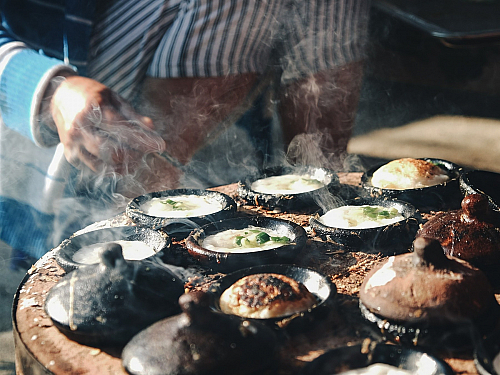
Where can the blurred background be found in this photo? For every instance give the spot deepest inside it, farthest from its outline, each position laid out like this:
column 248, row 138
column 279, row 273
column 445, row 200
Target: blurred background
column 432, row 83
column 431, row 89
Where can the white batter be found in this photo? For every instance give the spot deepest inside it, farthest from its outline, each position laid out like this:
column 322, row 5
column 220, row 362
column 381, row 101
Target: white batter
column 408, row 173
column 287, row 184
column 424, row 366
column 244, row 240
column 361, row 217
column 181, row 206
column 132, row 250
column 378, row 369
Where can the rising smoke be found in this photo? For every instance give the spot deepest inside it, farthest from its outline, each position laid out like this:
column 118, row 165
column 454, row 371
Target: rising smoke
column 128, row 159
column 228, row 154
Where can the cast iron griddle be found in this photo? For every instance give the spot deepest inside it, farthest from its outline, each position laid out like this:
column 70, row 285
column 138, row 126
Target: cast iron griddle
column 455, row 22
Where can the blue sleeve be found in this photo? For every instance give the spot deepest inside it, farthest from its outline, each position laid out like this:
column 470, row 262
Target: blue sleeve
column 24, row 77
column 23, row 82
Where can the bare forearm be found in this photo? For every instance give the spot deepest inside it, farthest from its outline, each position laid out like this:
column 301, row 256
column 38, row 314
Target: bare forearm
column 187, row 111
column 322, row 107
column 99, row 129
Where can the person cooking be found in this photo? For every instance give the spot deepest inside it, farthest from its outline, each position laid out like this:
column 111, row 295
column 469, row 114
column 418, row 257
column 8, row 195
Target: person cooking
column 102, row 101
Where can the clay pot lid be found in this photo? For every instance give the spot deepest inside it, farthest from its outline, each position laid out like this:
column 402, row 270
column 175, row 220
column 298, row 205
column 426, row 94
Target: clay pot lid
column 471, row 233
column 426, row 286
column 200, row 341
column 109, row 302
column 482, row 182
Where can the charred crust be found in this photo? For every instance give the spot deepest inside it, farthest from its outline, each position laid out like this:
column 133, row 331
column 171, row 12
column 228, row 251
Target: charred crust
column 263, row 289
column 424, row 168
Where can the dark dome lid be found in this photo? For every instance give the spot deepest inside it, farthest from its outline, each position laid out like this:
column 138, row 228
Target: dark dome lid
column 200, row 341
column 471, row 233
column 426, row 286
column 110, row 301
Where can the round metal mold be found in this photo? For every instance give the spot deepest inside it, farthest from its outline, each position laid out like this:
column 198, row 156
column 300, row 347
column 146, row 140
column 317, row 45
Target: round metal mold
column 228, row 261
column 109, row 302
column 360, row 356
column 482, row 182
column 288, row 202
column 388, row 239
column 159, row 242
column 486, row 354
column 438, row 197
column 179, row 227
column 318, row 284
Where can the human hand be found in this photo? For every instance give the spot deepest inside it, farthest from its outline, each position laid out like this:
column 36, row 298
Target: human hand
column 99, row 129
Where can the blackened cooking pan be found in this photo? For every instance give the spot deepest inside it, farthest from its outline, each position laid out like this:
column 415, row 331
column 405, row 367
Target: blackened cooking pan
column 454, row 22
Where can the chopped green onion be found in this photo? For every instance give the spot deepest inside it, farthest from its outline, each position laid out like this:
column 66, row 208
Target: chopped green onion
column 282, row 239
column 169, row 201
column 384, row 213
column 380, row 213
column 238, row 239
column 371, row 212
column 257, row 237
column 311, row 180
column 175, row 205
column 262, row 237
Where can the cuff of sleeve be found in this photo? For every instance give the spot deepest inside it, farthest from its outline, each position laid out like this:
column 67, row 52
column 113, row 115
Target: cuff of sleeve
column 23, row 82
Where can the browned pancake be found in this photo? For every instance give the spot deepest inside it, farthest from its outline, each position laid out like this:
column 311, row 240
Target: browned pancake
column 266, row 295
column 409, row 166
column 408, row 173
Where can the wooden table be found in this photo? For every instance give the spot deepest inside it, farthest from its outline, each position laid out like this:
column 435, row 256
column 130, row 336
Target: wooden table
column 42, row 348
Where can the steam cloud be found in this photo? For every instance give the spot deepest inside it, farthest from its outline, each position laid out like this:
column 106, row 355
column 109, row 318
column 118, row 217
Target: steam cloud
column 229, row 154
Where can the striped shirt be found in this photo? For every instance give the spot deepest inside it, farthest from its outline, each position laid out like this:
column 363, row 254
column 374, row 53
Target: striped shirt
column 207, row 38
column 131, row 39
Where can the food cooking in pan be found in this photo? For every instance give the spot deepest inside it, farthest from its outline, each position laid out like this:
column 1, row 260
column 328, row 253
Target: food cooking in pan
column 361, row 217
column 245, row 240
column 181, row 206
column 266, row 296
column 286, row 184
column 408, row 173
